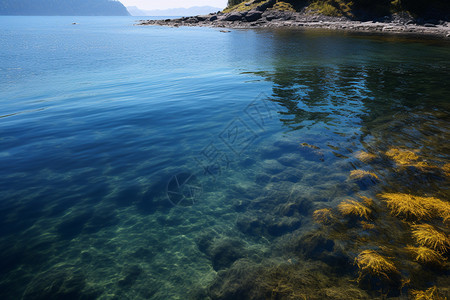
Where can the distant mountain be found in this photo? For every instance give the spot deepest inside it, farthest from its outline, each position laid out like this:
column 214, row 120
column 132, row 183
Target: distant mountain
column 135, row 11
column 173, row 12
column 63, row 8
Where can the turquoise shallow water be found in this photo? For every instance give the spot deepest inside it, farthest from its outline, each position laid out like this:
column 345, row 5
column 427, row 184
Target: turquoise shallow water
column 168, row 163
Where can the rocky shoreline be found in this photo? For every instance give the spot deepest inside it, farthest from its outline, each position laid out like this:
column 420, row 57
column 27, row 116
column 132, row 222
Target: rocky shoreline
column 397, row 24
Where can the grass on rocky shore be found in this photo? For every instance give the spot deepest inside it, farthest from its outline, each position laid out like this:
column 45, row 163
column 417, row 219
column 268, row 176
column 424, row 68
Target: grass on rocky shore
column 335, row 8
column 244, row 6
column 354, row 9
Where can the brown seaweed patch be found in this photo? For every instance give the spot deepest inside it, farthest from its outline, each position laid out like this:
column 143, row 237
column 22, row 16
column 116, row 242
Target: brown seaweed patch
column 408, row 158
column 365, row 156
column 402, row 156
column 427, row 235
column 426, row 255
column 367, row 226
column 430, row 294
column 361, row 174
column 446, row 169
column 324, row 216
column 354, row 208
column 304, row 280
column 424, row 166
column 309, row 146
column 416, row 207
column 372, row 263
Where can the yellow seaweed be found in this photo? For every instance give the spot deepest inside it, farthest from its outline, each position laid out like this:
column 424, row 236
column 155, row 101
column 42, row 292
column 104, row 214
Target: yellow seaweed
column 365, row 156
column 406, row 205
column 446, row 169
column 405, row 158
column 402, row 156
column 416, row 207
column 361, row 174
column 426, row 255
column 323, row 216
column 370, row 262
column 430, row 294
column 367, row 201
column 426, row 235
column 354, row 208
column 367, row 226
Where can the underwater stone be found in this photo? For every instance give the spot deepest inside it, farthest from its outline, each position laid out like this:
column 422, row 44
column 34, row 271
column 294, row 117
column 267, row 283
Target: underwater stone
column 266, row 203
column 272, row 166
column 225, row 252
column 250, row 225
column 315, row 246
column 262, row 179
column 238, row 282
column 204, row 242
column 287, row 209
column 279, row 191
column 318, row 243
column 289, row 159
column 311, row 153
column 130, row 275
column 240, row 205
column 289, row 174
column 278, row 227
column 300, row 206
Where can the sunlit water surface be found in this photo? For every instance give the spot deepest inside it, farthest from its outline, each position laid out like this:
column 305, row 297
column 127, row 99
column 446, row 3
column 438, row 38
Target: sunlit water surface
column 168, row 163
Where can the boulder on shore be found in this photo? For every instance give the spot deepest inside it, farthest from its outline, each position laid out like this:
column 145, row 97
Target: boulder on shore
column 235, row 16
column 253, row 15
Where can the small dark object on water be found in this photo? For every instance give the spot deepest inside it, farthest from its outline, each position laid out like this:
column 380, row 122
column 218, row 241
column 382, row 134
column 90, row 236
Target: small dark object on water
column 225, row 31
column 74, row 23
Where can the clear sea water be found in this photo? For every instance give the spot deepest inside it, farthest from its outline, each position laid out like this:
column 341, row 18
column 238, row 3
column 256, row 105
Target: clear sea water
column 144, row 162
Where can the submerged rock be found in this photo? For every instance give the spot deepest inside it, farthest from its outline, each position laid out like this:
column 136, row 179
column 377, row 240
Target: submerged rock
column 250, row 225
column 238, row 282
column 280, row 226
column 272, row 166
column 225, row 252
column 130, row 275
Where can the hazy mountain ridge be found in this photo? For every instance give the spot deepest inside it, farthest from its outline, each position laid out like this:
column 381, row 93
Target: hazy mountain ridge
column 191, row 11
column 63, row 8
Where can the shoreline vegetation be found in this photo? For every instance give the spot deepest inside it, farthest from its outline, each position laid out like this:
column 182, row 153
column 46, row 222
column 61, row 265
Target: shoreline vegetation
column 277, row 14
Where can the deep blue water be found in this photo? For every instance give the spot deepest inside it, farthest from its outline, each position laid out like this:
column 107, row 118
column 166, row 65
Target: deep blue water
column 105, row 125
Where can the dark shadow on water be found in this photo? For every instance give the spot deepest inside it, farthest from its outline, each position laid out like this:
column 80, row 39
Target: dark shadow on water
column 73, row 226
